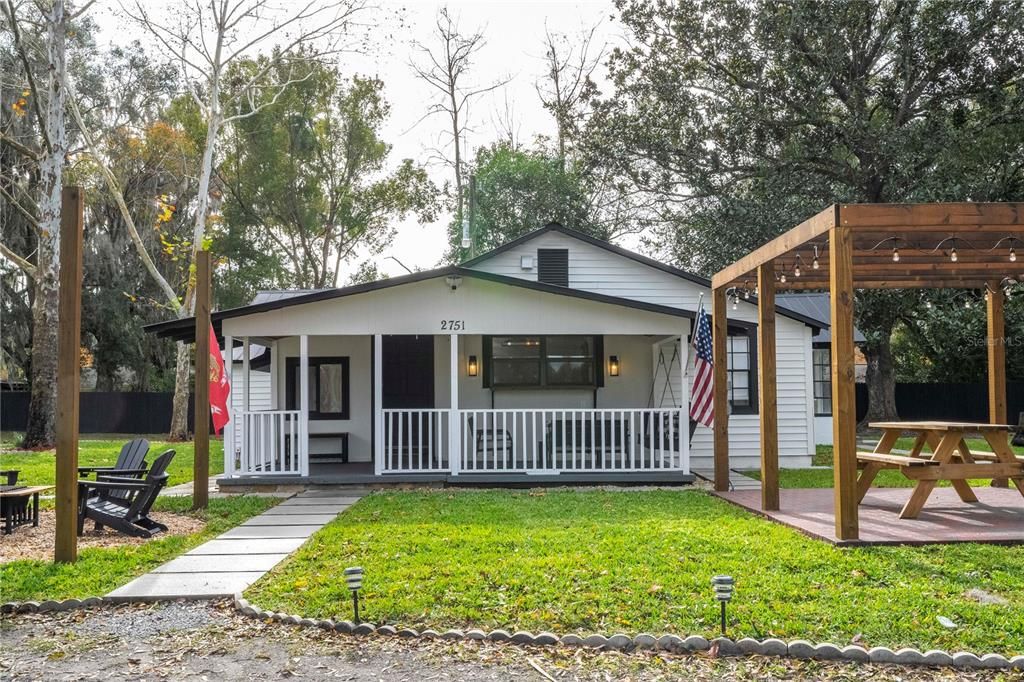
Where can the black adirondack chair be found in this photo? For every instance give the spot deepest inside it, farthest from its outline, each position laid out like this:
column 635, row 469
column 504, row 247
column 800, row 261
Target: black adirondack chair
column 128, row 513
column 131, row 463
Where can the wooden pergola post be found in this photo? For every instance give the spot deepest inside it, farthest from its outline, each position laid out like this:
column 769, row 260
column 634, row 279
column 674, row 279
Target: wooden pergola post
column 201, row 434
column 995, row 339
column 719, row 331
column 844, row 398
column 68, row 348
column 766, row 386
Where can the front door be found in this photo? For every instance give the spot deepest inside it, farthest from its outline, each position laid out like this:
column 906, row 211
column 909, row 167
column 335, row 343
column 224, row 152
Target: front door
column 408, row 372
column 408, row 386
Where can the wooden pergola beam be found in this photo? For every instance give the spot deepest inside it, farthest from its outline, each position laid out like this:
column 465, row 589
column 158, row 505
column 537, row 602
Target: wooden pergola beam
column 844, row 398
column 814, row 226
column 719, row 332
column 996, row 342
column 950, row 215
column 767, row 387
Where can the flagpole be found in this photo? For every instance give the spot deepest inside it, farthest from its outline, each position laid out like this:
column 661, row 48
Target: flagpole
column 201, row 424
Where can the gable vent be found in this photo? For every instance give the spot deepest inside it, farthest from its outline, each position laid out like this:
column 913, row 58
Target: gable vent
column 553, row 266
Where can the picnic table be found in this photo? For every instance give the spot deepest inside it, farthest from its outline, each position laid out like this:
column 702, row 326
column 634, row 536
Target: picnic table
column 15, row 502
column 950, row 459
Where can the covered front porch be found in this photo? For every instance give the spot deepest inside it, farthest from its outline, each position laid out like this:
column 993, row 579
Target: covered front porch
column 460, row 380
column 356, row 409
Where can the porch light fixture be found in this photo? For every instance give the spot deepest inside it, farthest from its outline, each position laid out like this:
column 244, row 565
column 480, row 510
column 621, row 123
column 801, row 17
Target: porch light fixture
column 453, row 281
column 723, row 585
column 613, row 365
column 354, row 580
column 472, row 367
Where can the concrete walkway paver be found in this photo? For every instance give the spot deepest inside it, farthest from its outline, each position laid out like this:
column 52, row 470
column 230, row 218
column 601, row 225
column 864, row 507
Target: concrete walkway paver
column 236, row 559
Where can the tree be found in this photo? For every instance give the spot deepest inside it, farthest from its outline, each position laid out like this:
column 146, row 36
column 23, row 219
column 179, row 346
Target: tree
column 306, row 177
column 518, row 191
column 45, row 156
column 567, row 83
column 205, row 40
column 732, row 109
column 445, row 67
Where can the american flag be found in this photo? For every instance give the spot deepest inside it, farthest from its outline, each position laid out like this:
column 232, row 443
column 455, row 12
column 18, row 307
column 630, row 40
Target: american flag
column 702, row 407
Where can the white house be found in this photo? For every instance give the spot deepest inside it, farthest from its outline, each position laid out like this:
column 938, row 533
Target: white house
column 556, row 357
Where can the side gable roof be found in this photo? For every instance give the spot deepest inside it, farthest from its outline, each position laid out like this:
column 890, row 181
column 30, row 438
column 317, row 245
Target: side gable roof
column 634, row 256
column 184, row 329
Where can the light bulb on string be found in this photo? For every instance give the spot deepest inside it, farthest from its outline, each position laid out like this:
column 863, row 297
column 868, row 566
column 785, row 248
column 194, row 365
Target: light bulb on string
column 953, row 256
column 895, row 254
column 1013, row 255
column 814, row 263
column 796, row 269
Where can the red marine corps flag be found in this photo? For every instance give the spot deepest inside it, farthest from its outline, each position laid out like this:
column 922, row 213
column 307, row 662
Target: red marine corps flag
column 220, row 389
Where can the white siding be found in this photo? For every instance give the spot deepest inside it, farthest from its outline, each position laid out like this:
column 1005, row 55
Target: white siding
column 259, row 396
column 592, row 268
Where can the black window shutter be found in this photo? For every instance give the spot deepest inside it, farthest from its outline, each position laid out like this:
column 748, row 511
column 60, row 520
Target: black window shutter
column 553, row 266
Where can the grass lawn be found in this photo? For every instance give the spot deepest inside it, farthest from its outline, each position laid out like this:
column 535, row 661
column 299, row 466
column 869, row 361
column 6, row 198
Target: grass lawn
column 888, row 478
column 585, row 561
column 38, row 468
column 100, row 570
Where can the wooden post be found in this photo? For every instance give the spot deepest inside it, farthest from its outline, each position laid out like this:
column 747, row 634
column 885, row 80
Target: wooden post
column 996, row 342
column 304, row 405
column 719, row 331
column 378, row 405
column 766, row 386
column 229, row 428
column 201, row 429
column 844, row 405
column 68, row 344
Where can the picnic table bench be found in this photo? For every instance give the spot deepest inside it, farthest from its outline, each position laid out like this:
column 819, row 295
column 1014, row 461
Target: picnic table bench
column 950, row 459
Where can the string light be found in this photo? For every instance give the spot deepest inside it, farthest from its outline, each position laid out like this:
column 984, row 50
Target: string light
column 953, row 255
column 814, row 263
column 895, row 249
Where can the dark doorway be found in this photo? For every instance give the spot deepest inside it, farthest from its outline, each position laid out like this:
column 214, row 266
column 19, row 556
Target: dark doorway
column 408, row 372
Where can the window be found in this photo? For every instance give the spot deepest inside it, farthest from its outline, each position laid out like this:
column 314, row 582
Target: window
column 556, row 361
column 741, row 370
column 553, row 266
column 328, row 387
column 822, row 362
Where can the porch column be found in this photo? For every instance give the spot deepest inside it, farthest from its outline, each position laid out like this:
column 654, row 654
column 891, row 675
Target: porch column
column 844, row 405
column 245, row 372
column 275, row 402
column 378, row 405
column 454, row 448
column 684, row 403
column 996, row 342
column 766, row 386
column 303, row 404
column 720, row 328
column 229, row 428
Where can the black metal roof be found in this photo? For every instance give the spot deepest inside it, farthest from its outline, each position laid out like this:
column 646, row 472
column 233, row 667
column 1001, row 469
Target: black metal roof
column 184, row 329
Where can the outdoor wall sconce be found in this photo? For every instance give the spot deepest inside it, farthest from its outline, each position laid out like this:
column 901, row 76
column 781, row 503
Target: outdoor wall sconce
column 613, row 365
column 472, row 367
column 453, row 281
column 354, row 581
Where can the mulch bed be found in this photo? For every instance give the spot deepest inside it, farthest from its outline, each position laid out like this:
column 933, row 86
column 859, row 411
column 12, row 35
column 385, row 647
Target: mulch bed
column 37, row 543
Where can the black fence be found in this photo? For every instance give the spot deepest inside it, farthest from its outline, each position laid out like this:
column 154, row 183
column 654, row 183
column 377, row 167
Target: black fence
column 101, row 412
column 947, row 402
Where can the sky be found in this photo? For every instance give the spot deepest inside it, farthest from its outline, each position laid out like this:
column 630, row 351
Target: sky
column 513, row 32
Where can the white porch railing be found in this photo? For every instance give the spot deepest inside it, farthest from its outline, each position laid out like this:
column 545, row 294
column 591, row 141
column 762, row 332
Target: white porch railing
column 416, row 441
column 269, row 443
column 536, row 441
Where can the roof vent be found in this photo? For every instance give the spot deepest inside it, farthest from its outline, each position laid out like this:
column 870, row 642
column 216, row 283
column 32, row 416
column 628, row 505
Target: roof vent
column 553, row 266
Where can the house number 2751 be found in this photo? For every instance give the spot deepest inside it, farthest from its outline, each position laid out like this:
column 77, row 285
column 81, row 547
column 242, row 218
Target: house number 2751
column 453, row 325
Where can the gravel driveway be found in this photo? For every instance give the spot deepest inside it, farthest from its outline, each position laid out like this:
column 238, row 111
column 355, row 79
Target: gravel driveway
column 209, row 641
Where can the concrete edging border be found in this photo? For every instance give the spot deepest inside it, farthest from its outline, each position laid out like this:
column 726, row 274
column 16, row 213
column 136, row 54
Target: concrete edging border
column 797, row 648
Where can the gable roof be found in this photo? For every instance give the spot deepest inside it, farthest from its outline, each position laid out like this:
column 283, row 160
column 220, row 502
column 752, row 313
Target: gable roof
column 819, row 307
column 811, row 321
column 184, row 329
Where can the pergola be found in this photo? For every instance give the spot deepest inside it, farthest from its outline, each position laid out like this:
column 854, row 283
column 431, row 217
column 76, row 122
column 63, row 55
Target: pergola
column 863, row 246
